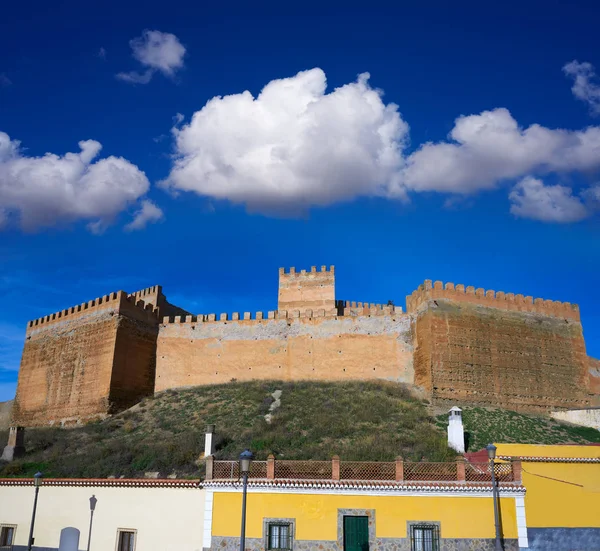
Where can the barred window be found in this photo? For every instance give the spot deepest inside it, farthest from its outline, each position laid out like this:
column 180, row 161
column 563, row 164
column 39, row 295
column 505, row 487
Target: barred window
column 7, row 536
column 279, row 536
column 126, row 540
column 425, row 537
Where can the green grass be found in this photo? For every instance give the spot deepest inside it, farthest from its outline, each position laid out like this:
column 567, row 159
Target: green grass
column 359, row 421
column 316, row 420
column 485, row 425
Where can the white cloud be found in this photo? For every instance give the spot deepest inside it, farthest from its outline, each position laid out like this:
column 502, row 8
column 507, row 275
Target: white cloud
column 583, row 87
column 293, row 146
column 530, row 198
column 156, row 51
column 51, row 189
column 101, row 53
column 488, row 148
column 148, row 213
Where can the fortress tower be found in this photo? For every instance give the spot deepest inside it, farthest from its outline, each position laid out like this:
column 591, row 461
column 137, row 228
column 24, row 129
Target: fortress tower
column 303, row 290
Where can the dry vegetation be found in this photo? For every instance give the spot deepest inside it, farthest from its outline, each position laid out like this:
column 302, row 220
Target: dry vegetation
column 355, row 420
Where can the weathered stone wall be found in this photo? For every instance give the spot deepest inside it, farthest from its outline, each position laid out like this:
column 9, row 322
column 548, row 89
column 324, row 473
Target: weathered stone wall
column 85, row 362
column 134, row 363
column 5, row 415
column 594, row 379
column 377, row 345
column 479, row 351
column 65, row 370
column 302, row 290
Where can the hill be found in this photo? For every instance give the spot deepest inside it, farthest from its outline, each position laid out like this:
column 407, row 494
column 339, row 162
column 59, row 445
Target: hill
column 308, row 420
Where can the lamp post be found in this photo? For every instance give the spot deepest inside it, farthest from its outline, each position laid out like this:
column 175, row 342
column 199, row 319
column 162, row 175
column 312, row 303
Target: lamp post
column 491, row 449
column 37, row 482
column 93, row 502
column 245, row 461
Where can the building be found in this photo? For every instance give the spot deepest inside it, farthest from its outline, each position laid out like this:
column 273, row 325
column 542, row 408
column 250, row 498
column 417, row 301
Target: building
column 129, row 515
column 549, row 498
column 456, row 344
column 563, row 494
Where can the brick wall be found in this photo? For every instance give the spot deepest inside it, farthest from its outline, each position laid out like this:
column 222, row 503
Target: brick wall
column 289, row 348
column 470, row 353
column 65, row 371
column 87, row 361
column 302, row 290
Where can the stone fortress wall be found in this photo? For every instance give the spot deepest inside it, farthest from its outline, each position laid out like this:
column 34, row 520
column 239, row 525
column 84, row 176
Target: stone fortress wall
column 458, row 345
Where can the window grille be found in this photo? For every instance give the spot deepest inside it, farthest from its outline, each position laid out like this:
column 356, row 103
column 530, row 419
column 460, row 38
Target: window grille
column 7, row 535
column 279, row 536
column 425, row 537
column 126, row 540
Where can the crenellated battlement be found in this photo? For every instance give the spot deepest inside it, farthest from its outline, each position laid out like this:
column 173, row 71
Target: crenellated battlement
column 148, row 291
column 343, row 308
column 117, row 300
column 313, row 270
column 490, row 298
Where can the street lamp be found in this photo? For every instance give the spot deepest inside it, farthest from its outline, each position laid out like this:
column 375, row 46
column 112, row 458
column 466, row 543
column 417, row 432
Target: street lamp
column 245, row 461
column 491, row 449
column 37, row 482
column 93, row 502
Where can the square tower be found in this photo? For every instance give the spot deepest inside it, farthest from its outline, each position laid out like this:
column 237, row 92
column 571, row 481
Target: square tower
column 303, row 290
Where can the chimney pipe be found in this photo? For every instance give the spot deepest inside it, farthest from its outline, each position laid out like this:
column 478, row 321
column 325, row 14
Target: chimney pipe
column 209, row 446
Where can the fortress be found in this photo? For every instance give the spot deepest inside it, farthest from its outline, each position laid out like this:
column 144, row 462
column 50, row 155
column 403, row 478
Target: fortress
column 456, row 344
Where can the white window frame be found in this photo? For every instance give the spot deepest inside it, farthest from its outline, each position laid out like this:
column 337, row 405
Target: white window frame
column 128, row 530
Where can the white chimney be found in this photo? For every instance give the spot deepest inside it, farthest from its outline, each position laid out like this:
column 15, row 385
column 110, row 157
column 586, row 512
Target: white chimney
column 456, row 431
column 209, row 446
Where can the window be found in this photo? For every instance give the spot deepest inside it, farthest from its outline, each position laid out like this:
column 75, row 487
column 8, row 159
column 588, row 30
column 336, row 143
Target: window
column 279, row 536
column 425, row 537
column 126, row 540
column 7, row 536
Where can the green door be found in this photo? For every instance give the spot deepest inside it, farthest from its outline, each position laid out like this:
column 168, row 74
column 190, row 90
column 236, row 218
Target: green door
column 356, row 534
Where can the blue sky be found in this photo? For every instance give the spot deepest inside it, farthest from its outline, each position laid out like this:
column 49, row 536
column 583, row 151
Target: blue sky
column 470, row 154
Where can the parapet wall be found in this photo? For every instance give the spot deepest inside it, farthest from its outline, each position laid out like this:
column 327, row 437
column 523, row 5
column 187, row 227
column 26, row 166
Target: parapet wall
column 491, row 299
column 343, row 308
column 118, row 302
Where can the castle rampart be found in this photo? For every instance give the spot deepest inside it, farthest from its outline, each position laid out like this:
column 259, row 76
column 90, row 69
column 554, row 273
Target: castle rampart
column 457, row 344
column 491, row 299
column 291, row 347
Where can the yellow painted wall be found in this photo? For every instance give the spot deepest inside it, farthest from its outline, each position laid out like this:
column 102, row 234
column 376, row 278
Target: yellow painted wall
column 316, row 515
column 559, row 494
column 563, row 495
column 541, row 450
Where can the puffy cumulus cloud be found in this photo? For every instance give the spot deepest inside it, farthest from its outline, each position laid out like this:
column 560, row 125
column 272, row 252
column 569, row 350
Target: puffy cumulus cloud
column 584, row 88
column 531, row 198
column 156, row 51
column 491, row 147
column 293, row 146
column 51, row 189
column 147, row 214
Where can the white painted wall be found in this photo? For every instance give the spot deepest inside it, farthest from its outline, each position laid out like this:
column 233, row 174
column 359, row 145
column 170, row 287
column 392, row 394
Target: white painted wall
column 166, row 519
column 456, row 431
column 583, row 417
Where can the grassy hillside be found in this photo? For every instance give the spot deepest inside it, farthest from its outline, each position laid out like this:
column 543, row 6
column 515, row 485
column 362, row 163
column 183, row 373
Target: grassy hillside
column 485, row 425
column 355, row 420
